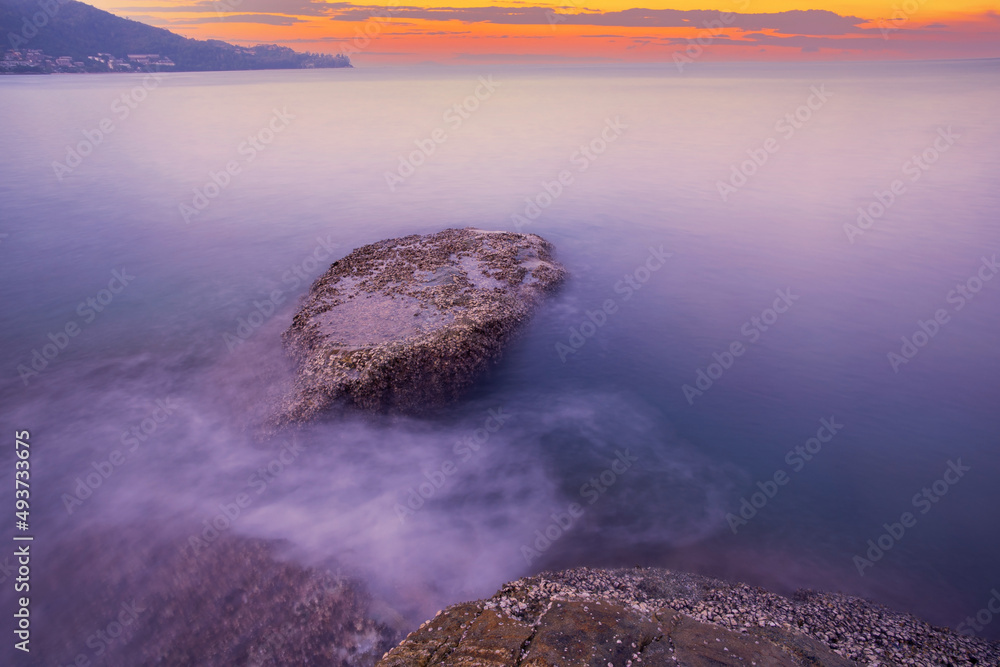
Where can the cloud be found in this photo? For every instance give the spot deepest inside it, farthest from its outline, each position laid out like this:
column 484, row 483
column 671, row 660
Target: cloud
column 526, row 57
column 805, row 43
column 267, row 19
column 286, row 7
column 157, row 21
column 504, row 15
column 806, row 31
column 421, row 33
column 813, row 44
column 798, row 22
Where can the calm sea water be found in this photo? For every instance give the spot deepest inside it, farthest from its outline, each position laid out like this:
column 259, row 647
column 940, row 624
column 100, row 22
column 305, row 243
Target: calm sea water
column 641, row 153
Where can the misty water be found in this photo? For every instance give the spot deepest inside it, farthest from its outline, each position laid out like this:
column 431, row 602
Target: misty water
column 573, row 396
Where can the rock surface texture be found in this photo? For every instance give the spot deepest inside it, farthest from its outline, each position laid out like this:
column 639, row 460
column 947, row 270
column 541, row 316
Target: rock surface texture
column 236, row 601
column 410, row 322
column 645, row 616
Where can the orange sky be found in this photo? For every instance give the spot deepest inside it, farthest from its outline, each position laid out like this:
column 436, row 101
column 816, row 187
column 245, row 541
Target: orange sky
column 567, row 31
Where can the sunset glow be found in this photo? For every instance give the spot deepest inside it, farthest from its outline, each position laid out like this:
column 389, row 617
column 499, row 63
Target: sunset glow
column 468, row 31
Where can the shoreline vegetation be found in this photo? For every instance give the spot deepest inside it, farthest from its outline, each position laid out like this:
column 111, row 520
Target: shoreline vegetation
column 70, row 37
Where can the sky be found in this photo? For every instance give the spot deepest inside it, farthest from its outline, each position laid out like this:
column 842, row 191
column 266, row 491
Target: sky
column 402, row 32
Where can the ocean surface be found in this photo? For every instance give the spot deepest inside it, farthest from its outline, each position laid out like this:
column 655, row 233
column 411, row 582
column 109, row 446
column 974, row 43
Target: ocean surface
column 732, row 325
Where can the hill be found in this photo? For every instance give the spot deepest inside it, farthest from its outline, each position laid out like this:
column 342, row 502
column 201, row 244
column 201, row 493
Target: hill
column 71, row 28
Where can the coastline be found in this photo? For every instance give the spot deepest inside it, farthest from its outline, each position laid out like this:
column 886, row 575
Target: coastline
column 660, row 613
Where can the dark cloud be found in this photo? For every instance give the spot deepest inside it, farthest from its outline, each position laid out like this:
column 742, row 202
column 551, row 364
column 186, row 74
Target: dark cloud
column 266, row 19
column 796, row 22
column 806, row 30
column 287, row 7
column 805, row 41
column 799, row 22
column 422, row 33
column 525, row 57
column 505, row 15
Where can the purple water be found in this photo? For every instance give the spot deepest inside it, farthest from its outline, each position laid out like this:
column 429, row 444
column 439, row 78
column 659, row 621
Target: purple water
column 598, row 374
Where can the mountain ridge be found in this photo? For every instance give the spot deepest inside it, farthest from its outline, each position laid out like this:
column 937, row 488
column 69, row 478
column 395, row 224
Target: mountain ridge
column 75, row 29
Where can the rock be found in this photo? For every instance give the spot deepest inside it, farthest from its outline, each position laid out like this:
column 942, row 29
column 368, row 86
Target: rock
column 408, row 323
column 237, row 601
column 591, row 633
column 437, row 638
column 466, row 636
column 647, row 616
column 594, row 633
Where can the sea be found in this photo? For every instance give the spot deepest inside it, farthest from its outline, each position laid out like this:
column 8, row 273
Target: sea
column 774, row 359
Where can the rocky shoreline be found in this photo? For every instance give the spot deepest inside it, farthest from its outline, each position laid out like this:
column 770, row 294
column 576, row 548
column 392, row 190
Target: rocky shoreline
column 244, row 601
column 153, row 600
column 649, row 616
column 409, row 323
